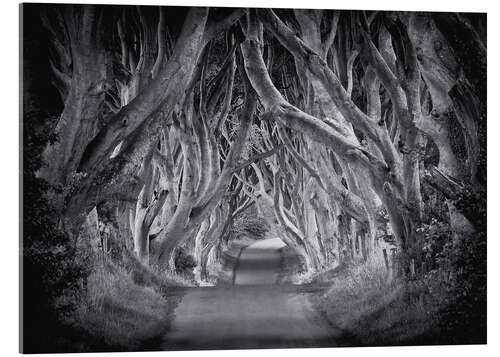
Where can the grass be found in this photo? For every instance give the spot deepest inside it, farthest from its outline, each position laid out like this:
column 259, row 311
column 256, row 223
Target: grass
column 124, row 309
column 376, row 311
column 120, row 312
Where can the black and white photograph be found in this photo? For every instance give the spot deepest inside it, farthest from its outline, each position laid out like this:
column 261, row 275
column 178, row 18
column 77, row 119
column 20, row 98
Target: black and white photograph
column 227, row 178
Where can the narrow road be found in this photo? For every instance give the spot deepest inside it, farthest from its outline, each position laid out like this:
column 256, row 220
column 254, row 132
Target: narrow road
column 259, row 263
column 254, row 313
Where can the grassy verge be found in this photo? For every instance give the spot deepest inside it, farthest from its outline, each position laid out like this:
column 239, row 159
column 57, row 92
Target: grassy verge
column 378, row 312
column 119, row 311
column 123, row 309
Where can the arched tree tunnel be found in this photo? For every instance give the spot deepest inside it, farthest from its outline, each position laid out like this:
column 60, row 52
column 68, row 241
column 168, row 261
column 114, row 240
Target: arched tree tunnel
column 338, row 132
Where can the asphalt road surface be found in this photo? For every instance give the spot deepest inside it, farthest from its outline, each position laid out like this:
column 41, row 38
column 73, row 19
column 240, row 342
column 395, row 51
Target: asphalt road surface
column 253, row 313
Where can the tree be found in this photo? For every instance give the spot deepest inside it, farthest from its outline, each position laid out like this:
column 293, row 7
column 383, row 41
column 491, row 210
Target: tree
column 176, row 120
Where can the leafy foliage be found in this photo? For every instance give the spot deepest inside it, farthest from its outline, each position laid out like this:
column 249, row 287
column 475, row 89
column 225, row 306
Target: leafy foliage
column 51, row 275
column 464, row 316
column 456, row 271
column 184, row 262
column 384, row 231
column 50, row 269
column 249, row 224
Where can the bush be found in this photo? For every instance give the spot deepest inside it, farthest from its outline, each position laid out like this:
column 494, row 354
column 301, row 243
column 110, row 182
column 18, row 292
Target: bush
column 184, row 262
column 461, row 278
column 249, row 224
column 52, row 277
column 456, row 270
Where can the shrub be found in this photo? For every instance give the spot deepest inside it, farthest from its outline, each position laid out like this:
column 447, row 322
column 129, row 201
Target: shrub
column 184, row 262
column 52, row 276
column 456, row 270
column 462, row 278
column 249, row 224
